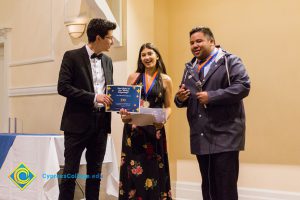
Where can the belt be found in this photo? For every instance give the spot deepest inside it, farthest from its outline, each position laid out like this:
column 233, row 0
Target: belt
column 99, row 109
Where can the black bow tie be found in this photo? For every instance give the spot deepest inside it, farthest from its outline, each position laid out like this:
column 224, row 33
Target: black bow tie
column 96, row 56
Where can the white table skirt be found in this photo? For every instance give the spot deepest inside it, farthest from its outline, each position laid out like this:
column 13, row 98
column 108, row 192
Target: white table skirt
column 44, row 155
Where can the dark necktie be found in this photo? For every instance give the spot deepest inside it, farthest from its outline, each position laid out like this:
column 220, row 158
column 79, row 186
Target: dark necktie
column 96, row 56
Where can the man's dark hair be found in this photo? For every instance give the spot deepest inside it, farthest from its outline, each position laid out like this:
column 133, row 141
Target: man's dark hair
column 205, row 30
column 98, row 26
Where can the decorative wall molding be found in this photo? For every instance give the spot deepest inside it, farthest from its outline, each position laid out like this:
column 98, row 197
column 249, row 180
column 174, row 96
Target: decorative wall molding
column 29, row 91
column 44, row 59
column 120, row 70
column 33, row 61
column 4, row 31
column 192, row 191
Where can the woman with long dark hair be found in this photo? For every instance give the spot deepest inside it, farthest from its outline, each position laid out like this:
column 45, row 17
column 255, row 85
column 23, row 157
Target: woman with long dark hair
column 144, row 172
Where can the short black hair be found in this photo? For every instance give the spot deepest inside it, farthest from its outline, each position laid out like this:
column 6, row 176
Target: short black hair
column 98, row 26
column 205, row 30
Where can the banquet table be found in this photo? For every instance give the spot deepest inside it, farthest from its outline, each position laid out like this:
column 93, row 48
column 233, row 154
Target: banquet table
column 42, row 155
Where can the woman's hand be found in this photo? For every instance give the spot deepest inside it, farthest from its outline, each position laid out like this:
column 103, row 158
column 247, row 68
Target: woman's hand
column 125, row 116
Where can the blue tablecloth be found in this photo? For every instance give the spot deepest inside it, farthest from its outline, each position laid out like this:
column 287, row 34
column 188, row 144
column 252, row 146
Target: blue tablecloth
column 6, row 141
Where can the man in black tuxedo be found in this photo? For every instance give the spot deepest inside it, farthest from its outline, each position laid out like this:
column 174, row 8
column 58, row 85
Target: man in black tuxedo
column 82, row 79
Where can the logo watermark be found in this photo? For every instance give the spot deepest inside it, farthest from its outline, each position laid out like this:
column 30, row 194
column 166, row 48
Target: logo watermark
column 71, row 176
column 22, row 176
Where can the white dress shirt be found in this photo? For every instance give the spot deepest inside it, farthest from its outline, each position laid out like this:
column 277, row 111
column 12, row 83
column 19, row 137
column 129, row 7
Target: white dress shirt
column 98, row 75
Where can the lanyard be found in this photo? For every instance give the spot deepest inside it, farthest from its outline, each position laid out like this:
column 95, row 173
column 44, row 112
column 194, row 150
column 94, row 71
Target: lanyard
column 207, row 62
column 148, row 84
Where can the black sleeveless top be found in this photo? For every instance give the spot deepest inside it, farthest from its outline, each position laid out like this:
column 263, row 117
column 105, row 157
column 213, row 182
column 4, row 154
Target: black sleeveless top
column 156, row 96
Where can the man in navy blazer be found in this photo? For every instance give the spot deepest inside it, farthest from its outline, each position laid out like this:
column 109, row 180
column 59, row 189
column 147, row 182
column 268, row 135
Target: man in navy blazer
column 83, row 76
column 213, row 86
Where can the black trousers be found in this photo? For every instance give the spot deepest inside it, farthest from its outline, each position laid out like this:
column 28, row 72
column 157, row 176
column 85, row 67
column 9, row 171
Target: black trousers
column 94, row 140
column 219, row 175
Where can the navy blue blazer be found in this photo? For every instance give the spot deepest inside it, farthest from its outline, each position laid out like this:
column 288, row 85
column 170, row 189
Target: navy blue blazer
column 219, row 127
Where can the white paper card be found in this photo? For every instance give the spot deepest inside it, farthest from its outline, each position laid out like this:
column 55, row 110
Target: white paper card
column 148, row 116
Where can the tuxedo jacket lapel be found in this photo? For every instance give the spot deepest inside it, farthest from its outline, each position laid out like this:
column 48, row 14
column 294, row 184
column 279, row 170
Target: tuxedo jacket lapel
column 88, row 67
column 106, row 66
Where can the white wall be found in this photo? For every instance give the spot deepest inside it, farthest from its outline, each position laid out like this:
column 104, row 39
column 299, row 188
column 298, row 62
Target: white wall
column 140, row 28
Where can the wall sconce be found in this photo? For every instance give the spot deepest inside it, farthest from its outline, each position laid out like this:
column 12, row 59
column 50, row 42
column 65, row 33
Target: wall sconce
column 76, row 29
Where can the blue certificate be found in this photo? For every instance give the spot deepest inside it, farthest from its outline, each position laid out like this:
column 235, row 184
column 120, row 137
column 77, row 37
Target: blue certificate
column 127, row 97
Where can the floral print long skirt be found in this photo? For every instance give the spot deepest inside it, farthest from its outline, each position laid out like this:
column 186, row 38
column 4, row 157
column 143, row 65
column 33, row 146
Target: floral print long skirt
column 144, row 171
